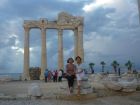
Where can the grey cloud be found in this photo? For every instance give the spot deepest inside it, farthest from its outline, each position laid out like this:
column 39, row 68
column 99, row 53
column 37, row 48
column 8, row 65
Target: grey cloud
column 124, row 33
column 9, row 61
column 7, row 43
column 34, row 8
column 98, row 19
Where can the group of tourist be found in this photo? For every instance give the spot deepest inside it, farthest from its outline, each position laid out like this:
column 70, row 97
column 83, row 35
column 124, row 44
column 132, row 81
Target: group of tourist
column 55, row 75
column 72, row 72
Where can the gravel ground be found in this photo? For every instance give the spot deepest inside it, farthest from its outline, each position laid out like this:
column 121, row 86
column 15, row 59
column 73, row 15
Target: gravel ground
column 51, row 89
column 115, row 100
column 48, row 103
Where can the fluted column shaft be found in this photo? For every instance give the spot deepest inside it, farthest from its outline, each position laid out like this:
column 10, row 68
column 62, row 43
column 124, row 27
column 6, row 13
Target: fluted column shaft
column 26, row 55
column 75, row 43
column 80, row 42
column 60, row 49
column 43, row 53
column 139, row 9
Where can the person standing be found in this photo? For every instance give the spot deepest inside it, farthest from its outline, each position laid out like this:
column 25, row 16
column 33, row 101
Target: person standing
column 49, row 76
column 79, row 72
column 55, row 74
column 60, row 75
column 70, row 74
column 46, row 75
column 119, row 71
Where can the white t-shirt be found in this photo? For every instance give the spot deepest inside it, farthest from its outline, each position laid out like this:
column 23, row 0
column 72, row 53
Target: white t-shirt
column 79, row 68
column 79, row 71
column 60, row 73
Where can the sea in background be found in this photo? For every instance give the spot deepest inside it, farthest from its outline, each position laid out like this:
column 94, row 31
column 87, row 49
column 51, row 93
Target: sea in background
column 13, row 76
column 17, row 76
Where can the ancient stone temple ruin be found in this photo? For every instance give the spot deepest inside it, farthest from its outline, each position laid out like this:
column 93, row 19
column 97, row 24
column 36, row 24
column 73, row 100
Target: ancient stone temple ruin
column 65, row 21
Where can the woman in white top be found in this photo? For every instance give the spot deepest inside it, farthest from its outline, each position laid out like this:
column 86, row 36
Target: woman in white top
column 79, row 72
column 60, row 75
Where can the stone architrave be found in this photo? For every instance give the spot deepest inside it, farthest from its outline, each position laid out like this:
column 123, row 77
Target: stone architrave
column 65, row 21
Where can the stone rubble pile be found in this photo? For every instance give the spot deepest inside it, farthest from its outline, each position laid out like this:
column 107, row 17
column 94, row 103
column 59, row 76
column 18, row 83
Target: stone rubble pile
column 125, row 83
column 96, row 81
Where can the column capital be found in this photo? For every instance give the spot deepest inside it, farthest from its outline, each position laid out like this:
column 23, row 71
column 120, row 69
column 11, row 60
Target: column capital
column 75, row 31
column 80, row 28
column 43, row 29
column 26, row 28
column 60, row 29
column 60, row 32
column 76, row 28
column 42, row 26
column 42, row 23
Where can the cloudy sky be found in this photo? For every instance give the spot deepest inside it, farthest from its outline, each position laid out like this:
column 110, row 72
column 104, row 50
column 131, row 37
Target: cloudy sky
column 111, row 32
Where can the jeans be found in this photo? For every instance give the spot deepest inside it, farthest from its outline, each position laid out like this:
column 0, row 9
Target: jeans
column 70, row 79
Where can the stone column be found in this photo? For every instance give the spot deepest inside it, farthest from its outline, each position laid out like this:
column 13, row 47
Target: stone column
column 60, row 49
column 80, row 42
column 139, row 9
column 43, row 53
column 75, row 43
column 25, row 75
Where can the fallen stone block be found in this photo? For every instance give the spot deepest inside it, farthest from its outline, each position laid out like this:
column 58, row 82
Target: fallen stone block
column 34, row 90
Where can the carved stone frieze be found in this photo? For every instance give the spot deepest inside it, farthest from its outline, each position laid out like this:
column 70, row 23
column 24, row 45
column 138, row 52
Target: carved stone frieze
column 67, row 19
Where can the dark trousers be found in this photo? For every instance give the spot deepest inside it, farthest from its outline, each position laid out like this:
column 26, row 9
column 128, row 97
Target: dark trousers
column 46, row 78
column 54, row 78
column 60, row 79
column 70, row 80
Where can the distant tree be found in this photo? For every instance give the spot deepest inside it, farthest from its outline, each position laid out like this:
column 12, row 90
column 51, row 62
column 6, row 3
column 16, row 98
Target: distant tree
column 91, row 65
column 115, row 64
column 129, row 65
column 103, row 65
